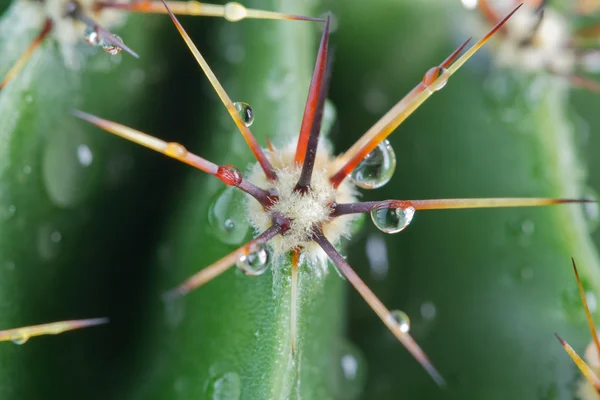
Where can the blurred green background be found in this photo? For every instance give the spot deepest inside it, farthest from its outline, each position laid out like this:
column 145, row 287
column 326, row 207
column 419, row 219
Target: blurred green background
column 94, row 226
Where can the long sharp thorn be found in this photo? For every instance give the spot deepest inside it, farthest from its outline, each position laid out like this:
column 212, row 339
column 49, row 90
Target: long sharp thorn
column 105, row 33
column 382, row 312
column 226, row 173
column 248, row 136
column 294, row 300
column 174, row 150
column 582, row 365
column 312, row 102
column 21, row 335
column 212, row 271
column 322, row 77
column 231, row 11
column 18, row 66
column 404, row 108
column 588, row 314
column 448, row 204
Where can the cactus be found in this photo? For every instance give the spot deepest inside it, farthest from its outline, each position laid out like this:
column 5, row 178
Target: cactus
column 500, row 281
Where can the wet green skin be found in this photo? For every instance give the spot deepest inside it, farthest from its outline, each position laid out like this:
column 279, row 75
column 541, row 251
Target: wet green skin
column 500, row 280
column 499, row 293
column 65, row 251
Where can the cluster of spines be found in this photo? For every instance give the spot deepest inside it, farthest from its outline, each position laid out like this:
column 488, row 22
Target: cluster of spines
column 435, row 79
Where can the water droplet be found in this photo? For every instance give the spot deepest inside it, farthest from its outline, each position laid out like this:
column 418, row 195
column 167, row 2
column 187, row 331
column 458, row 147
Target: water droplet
column 469, row 4
column 430, row 80
column 392, row 220
column 91, row 37
column 377, row 255
column 227, row 217
column 227, row 386
column 48, row 242
column 27, row 169
column 527, row 227
column 245, row 112
column 400, row 319
column 9, row 212
column 235, row 12
column 377, row 168
column 65, row 179
column 110, row 48
column 19, row 337
column 428, row 310
column 9, row 265
column 84, row 154
column 350, row 373
column 256, row 262
column 591, row 211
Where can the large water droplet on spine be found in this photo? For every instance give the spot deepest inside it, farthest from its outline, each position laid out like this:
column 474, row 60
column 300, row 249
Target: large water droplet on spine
column 227, row 216
column 392, row 220
column 19, row 337
column 377, row 168
column 235, row 12
column 245, row 112
column 256, row 262
column 400, row 320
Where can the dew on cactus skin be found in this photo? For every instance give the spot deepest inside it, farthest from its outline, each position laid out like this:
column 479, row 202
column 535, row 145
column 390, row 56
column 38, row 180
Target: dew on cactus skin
column 349, row 372
column 245, row 112
column 8, row 212
column 256, row 262
column 226, row 216
column 377, row 168
column 392, row 220
column 227, row 386
column 377, row 255
column 428, row 310
column 84, row 155
column 19, row 337
column 400, row 319
column 47, row 243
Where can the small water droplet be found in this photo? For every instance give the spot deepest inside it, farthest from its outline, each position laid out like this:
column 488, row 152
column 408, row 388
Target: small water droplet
column 227, row 217
column 400, row 320
column 428, row 310
column 245, row 112
column 27, row 169
column 377, row 168
column 91, row 37
column 377, row 254
column 28, row 98
column 256, row 262
column 9, row 265
column 392, row 220
column 9, row 212
column 227, row 386
column 55, row 236
column 591, row 211
column 19, row 337
column 350, row 373
column 469, row 4
column 235, row 12
column 48, row 241
column 110, row 48
column 528, row 227
column 66, row 181
column 84, row 154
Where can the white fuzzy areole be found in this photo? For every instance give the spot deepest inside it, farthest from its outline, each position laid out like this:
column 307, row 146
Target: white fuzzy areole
column 549, row 48
column 304, row 211
column 68, row 32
